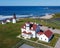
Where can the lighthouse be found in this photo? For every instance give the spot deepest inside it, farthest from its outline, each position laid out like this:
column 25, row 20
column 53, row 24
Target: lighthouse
column 14, row 19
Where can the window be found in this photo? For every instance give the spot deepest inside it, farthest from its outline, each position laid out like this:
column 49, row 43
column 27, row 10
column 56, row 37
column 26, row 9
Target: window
column 41, row 38
column 45, row 39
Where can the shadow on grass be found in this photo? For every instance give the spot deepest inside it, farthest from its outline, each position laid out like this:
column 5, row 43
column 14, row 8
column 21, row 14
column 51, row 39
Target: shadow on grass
column 51, row 37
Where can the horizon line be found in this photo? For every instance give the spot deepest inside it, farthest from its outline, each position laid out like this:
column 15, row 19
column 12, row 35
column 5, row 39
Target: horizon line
column 12, row 5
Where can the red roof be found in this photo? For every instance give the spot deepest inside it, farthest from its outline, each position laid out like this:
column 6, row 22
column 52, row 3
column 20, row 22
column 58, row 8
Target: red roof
column 40, row 33
column 48, row 33
column 26, row 32
column 34, row 26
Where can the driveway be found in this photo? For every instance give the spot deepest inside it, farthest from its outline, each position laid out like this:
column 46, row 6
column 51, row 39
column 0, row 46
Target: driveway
column 58, row 44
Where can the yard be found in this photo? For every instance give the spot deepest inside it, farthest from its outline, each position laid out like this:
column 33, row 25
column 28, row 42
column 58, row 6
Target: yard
column 8, row 32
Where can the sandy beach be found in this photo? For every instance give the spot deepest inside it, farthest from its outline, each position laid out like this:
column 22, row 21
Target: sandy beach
column 47, row 16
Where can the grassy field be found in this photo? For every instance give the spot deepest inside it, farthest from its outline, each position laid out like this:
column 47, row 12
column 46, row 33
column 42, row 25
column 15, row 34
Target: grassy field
column 8, row 32
column 52, row 23
column 57, row 15
column 21, row 42
column 34, row 39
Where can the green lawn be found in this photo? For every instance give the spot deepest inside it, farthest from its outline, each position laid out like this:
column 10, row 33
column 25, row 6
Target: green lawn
column 57, row 15
column 21, row 42
column 8, row 33
column 52, row 23
column 57, row 35
column 34, row 39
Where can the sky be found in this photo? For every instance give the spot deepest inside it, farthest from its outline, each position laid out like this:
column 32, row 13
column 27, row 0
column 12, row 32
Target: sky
column 29, row 2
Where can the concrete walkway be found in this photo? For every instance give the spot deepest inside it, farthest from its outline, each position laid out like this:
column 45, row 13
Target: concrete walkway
column 58, row 44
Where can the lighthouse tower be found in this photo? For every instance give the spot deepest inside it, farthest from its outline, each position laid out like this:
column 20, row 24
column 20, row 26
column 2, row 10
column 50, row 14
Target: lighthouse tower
column 27, row 27
column 14, row 19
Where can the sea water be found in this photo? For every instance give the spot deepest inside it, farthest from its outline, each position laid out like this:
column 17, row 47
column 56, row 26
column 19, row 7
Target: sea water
column 28, row 10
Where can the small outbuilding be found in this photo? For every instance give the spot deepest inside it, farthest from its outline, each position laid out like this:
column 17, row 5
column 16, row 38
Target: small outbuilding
column 45, row 36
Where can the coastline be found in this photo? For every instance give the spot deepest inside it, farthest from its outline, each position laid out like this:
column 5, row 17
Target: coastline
column 2, row 17
column 47, row 16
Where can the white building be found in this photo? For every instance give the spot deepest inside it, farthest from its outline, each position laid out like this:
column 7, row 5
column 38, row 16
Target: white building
column 14, row 19
column 8, row 20
column 30, row 29
column 45, row 36
column 3, row 22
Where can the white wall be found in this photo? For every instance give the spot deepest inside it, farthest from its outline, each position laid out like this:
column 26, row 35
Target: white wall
column 28, row 31
column 13, row 20
column 37, row 36
column 43, row 38
column 26, row 36
column 8, row 21
column 33, row 33
column 3, row 22
column 27, row 26
column 22, row 30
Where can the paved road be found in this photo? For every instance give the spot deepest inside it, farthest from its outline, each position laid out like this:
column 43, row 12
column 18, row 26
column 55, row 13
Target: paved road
column 26, row 46
column 58, row 44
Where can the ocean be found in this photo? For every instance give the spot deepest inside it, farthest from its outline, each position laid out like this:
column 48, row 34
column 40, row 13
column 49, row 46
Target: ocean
column 28, row 10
